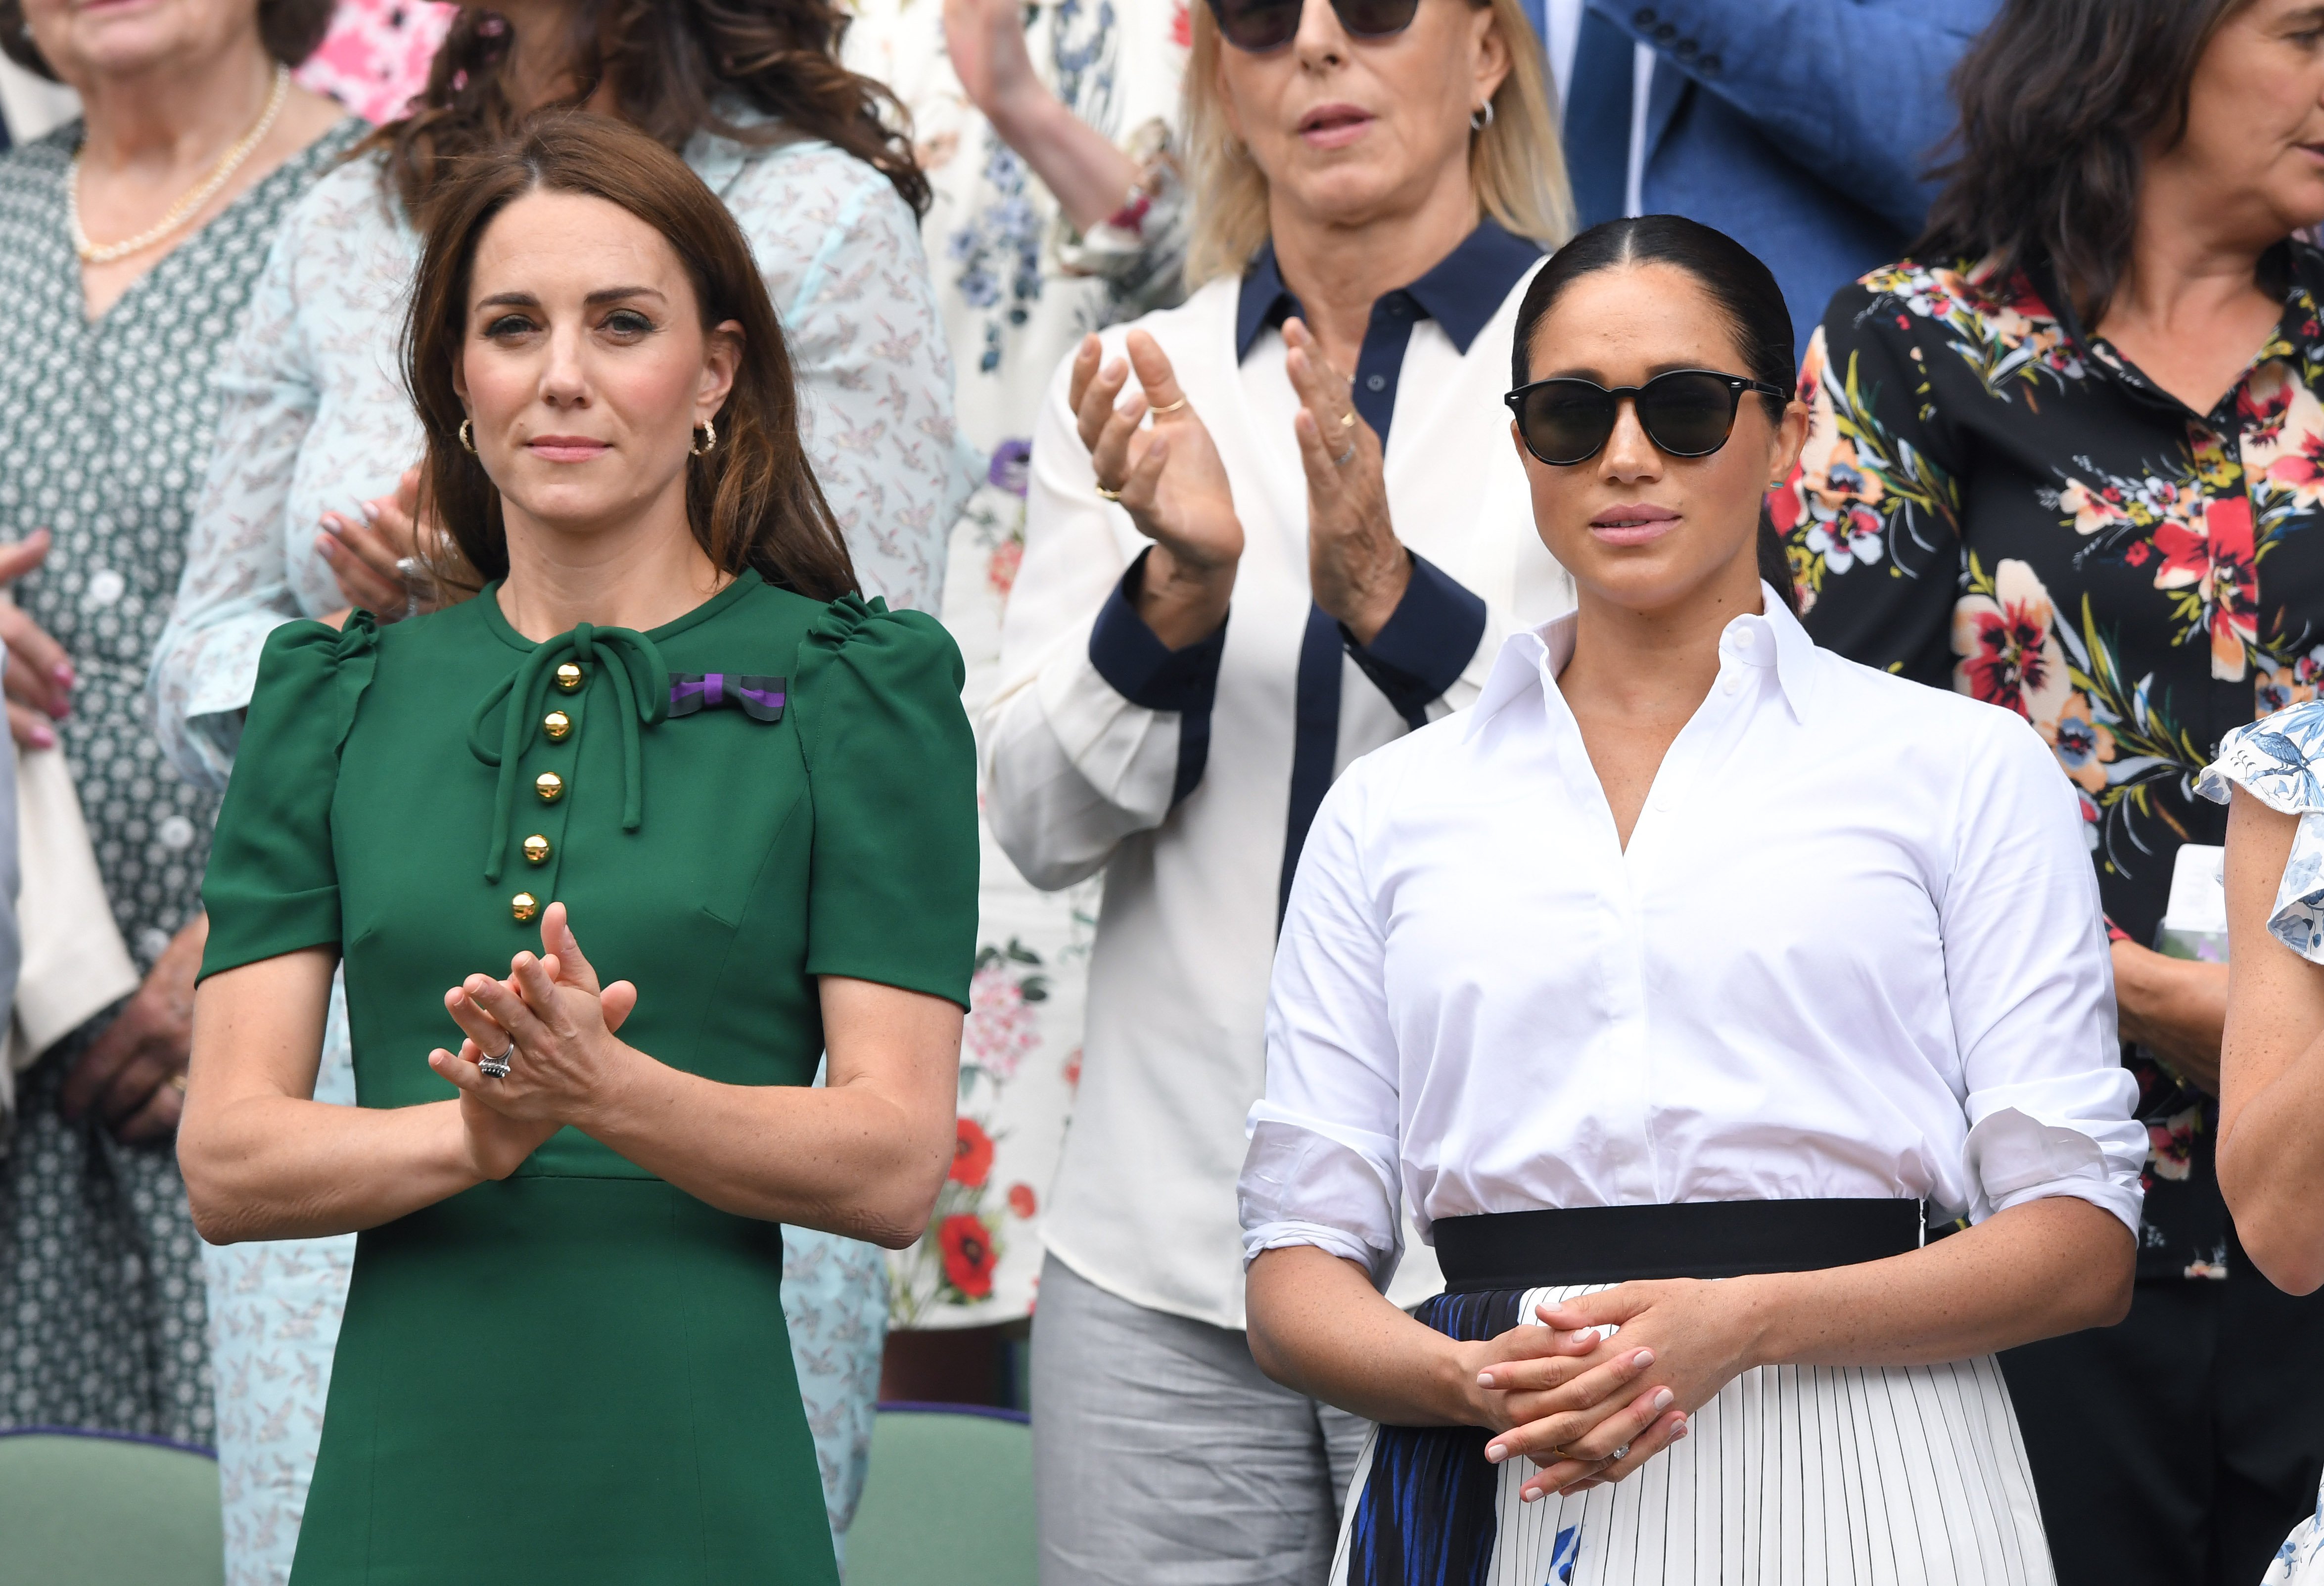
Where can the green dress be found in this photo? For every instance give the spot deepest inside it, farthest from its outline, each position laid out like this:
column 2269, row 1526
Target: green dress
column 579, row 1374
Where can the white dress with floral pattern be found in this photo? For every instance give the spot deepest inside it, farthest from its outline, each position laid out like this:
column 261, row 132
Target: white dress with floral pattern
column 2276, row 760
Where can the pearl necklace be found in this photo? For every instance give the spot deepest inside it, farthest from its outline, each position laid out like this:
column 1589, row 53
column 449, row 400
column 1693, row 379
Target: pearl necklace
column 192, row 204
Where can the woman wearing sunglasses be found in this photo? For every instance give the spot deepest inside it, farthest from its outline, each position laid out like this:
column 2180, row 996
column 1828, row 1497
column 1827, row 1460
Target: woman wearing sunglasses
column 1691, row 952
column 1309, row 437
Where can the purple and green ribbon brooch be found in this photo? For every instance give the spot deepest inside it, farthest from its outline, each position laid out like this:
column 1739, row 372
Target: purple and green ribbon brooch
column 759, row 698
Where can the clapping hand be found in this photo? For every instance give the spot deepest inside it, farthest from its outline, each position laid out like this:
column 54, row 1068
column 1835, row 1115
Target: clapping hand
column 369, row 555
column 555, row 1025
column 1356, row 567
column 1170, row 480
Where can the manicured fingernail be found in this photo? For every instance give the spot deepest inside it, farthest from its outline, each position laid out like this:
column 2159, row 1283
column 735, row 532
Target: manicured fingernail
column 1530, row 1495
column 370, row 509
column 63, row 673
column 1642, row 1359
column 1663, row 1400
column 1496, row 1453
column 1684, row 1428
column 43, row 739
column 1484, row 1380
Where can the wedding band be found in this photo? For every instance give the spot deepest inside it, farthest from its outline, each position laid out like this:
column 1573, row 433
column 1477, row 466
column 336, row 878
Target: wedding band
column 408, row 568
column 1348, row 421
column 1345, row 457
column 1172, row 407
column 495, row 1067
column 1108, row 494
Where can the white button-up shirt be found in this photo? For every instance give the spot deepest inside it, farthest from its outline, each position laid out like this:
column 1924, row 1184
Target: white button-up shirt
column 1853, row 949
column 1180, row 774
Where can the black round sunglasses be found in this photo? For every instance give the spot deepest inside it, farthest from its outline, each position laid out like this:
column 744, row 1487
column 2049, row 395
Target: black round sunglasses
column 1258, row 26
column 1685, row 412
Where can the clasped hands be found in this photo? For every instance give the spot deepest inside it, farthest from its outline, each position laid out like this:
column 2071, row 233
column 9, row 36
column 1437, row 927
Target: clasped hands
column 1168, row 477
column 1587, row 1404
column 556, row 1025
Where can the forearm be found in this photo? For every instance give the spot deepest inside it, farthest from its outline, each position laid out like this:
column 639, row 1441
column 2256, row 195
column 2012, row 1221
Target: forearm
column 2049, row 1267
column 262, row 1168
column 1319, row 1327
column 2175, row 1007
column 845, row 1159
column 1090, row 177
column 2270, row 1163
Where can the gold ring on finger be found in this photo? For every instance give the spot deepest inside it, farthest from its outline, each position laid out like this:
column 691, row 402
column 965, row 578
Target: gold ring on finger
column 1172, row 407
column 1348, row 420
column 1108, row 494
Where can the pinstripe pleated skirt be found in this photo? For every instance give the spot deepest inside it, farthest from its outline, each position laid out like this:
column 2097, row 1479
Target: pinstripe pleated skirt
column 1849, row 1476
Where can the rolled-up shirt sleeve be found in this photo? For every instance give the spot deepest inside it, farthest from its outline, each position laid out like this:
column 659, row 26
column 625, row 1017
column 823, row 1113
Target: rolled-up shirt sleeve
column 2049, row 1104
column 1082, row 736
column 1322, row 1165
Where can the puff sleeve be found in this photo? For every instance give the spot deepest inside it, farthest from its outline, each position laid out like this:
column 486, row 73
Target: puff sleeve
column 892, row 772
column 272, row 885
column 2276, row 760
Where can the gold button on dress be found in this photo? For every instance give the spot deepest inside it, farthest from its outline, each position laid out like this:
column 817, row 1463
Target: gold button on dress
column 558, row 726
column 536, row 849
column 550, row 785
column 568, row 678
column 524, row 906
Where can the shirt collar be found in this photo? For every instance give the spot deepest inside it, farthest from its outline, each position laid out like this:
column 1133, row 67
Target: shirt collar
column 1772, row 637
column 1462, row 293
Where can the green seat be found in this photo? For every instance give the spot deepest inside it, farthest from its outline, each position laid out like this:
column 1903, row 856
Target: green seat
column 98, row 1511
column 949, row 1499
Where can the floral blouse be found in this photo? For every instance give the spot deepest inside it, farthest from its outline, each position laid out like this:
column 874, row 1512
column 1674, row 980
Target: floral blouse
column 1994, row 500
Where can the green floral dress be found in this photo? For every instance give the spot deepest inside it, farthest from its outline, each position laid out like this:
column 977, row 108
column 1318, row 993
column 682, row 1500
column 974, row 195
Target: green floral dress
column 579, row 1374
column 105, row 427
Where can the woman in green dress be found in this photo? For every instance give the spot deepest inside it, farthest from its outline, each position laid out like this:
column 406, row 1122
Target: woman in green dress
column 667, row 726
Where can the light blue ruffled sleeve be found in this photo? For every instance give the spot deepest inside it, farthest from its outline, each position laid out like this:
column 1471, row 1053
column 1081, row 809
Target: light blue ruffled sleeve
column 2275, row 760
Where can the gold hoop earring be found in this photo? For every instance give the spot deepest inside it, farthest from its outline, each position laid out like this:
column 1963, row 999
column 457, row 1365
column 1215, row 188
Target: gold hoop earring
column 467, row 445
column 709, row 439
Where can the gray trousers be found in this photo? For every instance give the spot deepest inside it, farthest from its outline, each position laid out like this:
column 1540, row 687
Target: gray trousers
column 1162, row 1456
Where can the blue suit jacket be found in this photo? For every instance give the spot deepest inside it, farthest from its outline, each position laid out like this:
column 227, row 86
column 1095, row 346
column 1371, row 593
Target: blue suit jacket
column 1801, row 128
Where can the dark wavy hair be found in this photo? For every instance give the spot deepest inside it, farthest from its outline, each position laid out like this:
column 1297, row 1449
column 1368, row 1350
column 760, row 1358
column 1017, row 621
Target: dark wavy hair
column 2059, row 100
column 289, row 28
column 1739, row 287
column 752, row 500
column 669, row 61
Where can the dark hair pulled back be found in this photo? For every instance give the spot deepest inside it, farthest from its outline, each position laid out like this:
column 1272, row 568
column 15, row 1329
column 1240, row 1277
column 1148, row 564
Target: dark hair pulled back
column 751, row 499
column 1740, row 287
column 669, row 62
column 2059, row 101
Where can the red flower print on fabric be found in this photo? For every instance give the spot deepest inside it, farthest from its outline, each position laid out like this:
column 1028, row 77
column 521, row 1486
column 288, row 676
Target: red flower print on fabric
column 971, row 1154
column 969, row 1257
column 1022, row 1201
column 2008, row 660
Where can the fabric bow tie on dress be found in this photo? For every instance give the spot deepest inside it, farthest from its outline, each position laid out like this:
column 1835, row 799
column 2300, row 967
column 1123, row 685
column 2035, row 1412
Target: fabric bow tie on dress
column 640, row 682
column 759, row 698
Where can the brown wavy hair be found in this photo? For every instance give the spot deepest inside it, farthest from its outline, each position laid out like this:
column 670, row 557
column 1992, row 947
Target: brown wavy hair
column 2059, row 100
column 289, row 29
column 669, row 63
column 752, row 500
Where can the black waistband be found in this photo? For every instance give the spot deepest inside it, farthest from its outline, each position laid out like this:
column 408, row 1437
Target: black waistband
column 1699, row 1238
